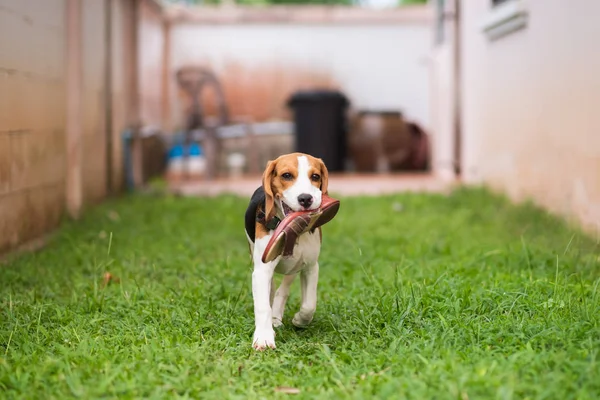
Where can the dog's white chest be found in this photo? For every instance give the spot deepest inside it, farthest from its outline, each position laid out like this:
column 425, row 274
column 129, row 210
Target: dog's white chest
column 306, row 252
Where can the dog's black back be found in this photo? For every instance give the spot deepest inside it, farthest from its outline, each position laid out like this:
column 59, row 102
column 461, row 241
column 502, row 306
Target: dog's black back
column 257, row 199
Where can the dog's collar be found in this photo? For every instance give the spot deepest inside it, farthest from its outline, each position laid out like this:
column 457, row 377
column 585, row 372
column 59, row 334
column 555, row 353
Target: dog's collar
column 271, row 224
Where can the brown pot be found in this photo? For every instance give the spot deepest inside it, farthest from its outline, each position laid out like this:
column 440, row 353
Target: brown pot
column 380, row 141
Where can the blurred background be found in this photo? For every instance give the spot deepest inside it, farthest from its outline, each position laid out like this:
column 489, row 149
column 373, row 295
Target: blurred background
column 102, row 96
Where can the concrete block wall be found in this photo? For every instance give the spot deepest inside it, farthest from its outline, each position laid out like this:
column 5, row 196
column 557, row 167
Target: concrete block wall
column 32, row 118
column 36, row 186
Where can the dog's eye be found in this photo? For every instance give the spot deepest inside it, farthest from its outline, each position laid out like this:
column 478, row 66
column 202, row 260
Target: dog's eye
column 315, row 177
column 287, row 176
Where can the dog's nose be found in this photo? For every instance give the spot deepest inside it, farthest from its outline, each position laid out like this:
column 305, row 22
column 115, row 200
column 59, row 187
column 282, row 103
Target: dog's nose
column 305, row 200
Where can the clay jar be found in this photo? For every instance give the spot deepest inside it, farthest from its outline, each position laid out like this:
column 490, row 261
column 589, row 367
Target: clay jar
column 379, row 142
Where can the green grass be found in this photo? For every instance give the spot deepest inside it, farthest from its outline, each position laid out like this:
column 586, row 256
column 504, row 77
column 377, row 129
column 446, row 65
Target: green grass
column 420, row 296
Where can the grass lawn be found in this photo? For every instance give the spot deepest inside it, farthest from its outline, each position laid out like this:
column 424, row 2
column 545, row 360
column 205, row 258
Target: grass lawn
column 420, row 297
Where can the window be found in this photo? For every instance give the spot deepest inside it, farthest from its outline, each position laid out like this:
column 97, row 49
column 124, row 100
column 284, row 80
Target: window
column 505, row 17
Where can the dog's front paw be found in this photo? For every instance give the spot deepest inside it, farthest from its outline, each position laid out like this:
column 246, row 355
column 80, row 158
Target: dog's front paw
column 277, row 322
column 263, row 339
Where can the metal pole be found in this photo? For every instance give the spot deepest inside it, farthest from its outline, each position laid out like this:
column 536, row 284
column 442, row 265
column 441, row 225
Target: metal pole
column 108, row 83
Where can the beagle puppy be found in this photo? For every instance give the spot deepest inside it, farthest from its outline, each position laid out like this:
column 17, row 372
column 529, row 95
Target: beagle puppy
column 292, row 182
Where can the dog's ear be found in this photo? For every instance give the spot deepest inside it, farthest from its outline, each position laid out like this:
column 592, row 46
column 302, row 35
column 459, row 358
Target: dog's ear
column 324, row 177
column 269, row 198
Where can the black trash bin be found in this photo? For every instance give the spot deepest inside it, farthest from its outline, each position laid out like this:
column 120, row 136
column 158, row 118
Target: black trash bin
column 321, row 125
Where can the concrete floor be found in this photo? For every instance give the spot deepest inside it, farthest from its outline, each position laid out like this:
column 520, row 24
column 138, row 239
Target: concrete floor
column 339, row 184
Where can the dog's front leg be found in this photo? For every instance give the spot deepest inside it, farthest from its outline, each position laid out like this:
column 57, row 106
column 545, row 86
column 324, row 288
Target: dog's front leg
column 264, row 335
column 309, row 278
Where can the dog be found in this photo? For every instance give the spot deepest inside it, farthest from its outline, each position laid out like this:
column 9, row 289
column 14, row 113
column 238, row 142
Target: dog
column 292, row 182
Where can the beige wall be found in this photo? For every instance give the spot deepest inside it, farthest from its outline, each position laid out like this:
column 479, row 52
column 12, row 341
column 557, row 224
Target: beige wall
column 32, row 118
column 33, row 98
column 530, row 106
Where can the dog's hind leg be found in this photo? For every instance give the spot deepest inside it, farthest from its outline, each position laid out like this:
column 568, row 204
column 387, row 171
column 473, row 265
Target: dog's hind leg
column 281, row 297
column 272, row 294
column 309, row 278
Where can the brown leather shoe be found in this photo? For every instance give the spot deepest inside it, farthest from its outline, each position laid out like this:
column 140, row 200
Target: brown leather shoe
column 295, row 224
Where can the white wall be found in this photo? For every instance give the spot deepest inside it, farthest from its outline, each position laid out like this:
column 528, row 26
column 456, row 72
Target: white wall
column 530, row 106
column 377, row 66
